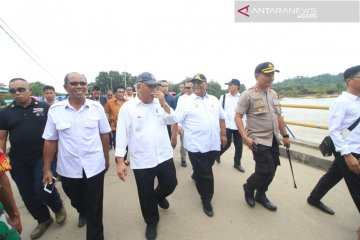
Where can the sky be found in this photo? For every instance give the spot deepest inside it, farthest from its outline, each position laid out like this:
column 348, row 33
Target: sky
column 171, row 39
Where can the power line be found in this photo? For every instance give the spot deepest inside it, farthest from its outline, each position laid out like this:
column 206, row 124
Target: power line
column 24, row 50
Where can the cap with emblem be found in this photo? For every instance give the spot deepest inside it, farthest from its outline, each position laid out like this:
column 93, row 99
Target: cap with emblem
column 199, row 77
column 147, row 78
column 349, row 73
column 233, row 82
column 266, row 67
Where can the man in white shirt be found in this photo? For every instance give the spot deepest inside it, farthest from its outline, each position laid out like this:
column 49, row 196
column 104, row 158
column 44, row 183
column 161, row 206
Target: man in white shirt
column 202, row 118
column 188, row 88
column 342, row 114
column 142, row 123
column 79, row 129
column 229, row 102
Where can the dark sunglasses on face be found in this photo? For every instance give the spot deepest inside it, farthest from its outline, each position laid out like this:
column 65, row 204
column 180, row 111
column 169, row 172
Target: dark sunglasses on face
column 77, row 83
column 14, row 90
column 188, row 88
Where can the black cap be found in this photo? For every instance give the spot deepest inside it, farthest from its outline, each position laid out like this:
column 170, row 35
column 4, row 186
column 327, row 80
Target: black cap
column 199, row 77
column 266, row 67
column 233, row 82
column 351, row 71
column 147, row 78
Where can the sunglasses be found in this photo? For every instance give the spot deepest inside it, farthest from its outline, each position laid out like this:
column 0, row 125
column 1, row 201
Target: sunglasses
column 188, row 88
column 14, row 90
column 77, row 83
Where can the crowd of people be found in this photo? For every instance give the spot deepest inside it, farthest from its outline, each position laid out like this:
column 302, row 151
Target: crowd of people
column 71, row 139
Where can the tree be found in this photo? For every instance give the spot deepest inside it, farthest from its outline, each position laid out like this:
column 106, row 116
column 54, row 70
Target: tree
column 214, row 88
column 37, row 88
column 111, row 79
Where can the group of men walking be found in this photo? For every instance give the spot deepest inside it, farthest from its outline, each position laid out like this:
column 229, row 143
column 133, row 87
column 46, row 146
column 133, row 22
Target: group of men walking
column 73, row 137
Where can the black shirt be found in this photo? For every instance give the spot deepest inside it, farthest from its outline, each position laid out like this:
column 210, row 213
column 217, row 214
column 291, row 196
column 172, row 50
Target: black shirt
column 25, row 127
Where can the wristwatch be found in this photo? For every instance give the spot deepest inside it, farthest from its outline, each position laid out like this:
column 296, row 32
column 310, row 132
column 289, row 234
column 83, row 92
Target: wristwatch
column 127, row 163
column 286, row 136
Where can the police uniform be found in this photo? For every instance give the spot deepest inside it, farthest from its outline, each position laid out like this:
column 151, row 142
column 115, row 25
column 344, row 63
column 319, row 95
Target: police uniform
column 261, row 109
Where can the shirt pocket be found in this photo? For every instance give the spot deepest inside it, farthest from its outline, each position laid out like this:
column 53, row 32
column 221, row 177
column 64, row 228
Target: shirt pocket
column 259, row 106
column 63, row 128
column 90, row 128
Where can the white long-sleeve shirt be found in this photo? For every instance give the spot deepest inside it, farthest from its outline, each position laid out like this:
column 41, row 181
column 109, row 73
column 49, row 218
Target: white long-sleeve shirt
column 143, row 128
column 200, row 119
column 342, row 114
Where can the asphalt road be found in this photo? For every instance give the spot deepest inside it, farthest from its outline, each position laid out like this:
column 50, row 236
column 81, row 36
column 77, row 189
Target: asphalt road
column 233, row 219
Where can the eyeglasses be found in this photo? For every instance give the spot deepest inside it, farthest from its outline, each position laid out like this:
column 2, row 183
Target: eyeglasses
column 77, row 83
column 188, row 88
column 164, row 85
column 14, row 90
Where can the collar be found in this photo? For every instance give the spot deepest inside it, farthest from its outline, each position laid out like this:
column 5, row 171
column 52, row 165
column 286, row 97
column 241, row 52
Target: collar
column 351, row 96
column 32, row 103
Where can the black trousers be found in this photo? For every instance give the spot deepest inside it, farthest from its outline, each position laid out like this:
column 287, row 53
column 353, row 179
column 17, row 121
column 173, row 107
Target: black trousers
column 204, row 178
column 86, row 196
column 266, row 161
column 230, row 133
column 148, row 196
column 334, row 174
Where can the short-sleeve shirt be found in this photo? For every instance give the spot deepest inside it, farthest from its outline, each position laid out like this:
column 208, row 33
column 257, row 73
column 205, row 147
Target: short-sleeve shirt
column 25, row 127
column 200, row 118
column 78, row 134
column 262, row 109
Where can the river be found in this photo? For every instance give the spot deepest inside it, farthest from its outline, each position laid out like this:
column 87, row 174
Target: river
column 311, row 116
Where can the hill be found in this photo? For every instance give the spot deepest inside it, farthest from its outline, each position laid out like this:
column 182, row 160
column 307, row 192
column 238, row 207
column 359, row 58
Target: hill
column 321, row 85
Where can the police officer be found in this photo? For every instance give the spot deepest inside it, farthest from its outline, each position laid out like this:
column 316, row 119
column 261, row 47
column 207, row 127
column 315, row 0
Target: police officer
column 264, row 121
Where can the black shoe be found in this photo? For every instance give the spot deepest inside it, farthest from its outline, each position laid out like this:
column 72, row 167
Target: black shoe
column 183, row 163
column 151, row 231
column 249, row 196
column 262, row 199
column 218, row 160
column 208, row 209
column 164, row 204
column 82, row 220
column 320, row 205
column 193, row 177
column 239, row 168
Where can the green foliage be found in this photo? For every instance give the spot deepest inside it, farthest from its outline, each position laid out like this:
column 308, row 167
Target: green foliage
column 323, row 84
column 214, row 88
column 111, row 79
column 37, row 88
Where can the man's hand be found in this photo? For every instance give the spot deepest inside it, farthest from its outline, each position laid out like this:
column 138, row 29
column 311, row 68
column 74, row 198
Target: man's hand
column 16, row 222
column 47, row 177
column 158, row 94
column 121, row 168
column 107, row 165
column 286, row 142
column 180, row 130
column 223, row 140
column 352, row 163
column 249, row 142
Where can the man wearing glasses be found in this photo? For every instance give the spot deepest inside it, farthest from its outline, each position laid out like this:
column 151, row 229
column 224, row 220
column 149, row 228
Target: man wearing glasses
column 142, row 123
column 79, row 129
column 202, row 119
column 24, row 120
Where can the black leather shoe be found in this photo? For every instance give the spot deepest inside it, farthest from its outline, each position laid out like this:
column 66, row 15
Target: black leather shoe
column 218, row 160
column 208, row 209
column 262, row 199
column 151, row 231
column 183, row 164
column 193, row 177
column 249, row 196
column 164, row 204
column 320, row 205
column 239, row 168
column 82, row 221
